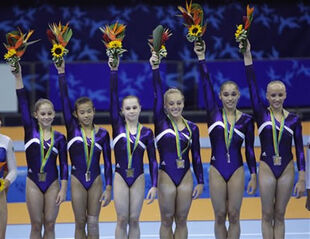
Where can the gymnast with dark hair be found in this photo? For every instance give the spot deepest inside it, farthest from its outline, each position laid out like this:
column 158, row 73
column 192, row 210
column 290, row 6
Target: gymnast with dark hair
column 42, row 145
column 8, row 173
column 228, row 128
column 276, row 128
column 86, row 142
column 175, row 138
column 130, row 140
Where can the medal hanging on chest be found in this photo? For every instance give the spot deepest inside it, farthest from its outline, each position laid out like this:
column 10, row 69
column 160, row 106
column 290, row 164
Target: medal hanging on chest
column 88, row 153
column 130, row 171
column 228, row 136
column 180, row 161
column 44, row 158
column 277, row 159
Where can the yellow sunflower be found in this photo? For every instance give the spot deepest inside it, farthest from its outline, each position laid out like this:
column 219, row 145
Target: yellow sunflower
column 9, row 54
column 195, row 30
column 163, row 47
column 239, row 30
column 58, row 50
column 115, row 44
column 1, row 184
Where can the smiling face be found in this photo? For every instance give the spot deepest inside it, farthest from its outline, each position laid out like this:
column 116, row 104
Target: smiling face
column 85, row 113
column 174, row 103
column 229, row 96
column 45, row 115
column 276, row 94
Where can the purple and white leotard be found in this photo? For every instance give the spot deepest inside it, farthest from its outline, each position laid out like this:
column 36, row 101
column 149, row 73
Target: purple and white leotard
column 33, row 147
column 76, row 145
column 292, row 129
column 146, row 141
column 166, row 140
column 243, row 131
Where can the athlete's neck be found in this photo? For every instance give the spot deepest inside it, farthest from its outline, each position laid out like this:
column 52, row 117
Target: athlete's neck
column 230, row 111
column 277, row 110
column 132, row 125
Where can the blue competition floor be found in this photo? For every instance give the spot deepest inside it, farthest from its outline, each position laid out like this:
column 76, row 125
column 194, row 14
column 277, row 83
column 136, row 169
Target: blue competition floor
column 295, row 229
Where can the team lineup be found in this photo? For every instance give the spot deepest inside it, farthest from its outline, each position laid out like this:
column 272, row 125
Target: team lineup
column 175, row 138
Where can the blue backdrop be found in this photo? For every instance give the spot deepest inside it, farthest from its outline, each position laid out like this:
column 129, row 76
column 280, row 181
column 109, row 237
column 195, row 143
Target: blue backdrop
column 279, row 30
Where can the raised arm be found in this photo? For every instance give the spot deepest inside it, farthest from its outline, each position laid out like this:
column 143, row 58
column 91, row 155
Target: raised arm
column 251, row 79
column 65, row 100
column 114, row 101
column 22, row 99
column 209, row 95
column 158, row 92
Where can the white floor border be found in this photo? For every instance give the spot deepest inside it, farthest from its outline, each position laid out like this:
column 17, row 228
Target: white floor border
column 250, row 229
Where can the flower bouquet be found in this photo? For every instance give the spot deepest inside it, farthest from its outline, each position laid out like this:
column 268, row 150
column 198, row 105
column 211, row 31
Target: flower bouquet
column 193, row 21
column 158, row 40
column 59, row 35
column 242, row 32
column 16, row 45
column 113, row 36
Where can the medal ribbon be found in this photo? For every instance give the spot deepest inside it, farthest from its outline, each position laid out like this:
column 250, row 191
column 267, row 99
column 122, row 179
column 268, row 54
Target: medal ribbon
column 44, row 158
column 88, row 154
column 177, row 136
column 228, row 137
column 129, row 153
column 276, row 140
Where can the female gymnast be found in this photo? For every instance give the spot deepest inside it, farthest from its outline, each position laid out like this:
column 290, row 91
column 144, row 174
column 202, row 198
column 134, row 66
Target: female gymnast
column 276, row 128
column 131, row 139
column 228, row 128
column 175, row 137
column 85, row 144
column 42, row 146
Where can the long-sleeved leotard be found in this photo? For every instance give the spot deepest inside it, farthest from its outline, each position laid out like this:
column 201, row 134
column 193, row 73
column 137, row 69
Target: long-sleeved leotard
column 76, row 145
column 292, row 129
column 146, row 141
column 166, row 140
column 32, row 148
column 7, row 158
column 244, row 130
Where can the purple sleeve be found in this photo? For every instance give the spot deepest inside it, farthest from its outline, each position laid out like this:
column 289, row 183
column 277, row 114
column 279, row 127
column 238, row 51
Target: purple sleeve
column 249, row 147
column 209, row 95
column 106, row 151
column 24, row 108
column 195, row 148
column 257, row 104
column 65, row 101
column 153, row 166
column 63, row 158
column 114, row 102
column 158, row 97
column 299, row 147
